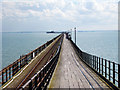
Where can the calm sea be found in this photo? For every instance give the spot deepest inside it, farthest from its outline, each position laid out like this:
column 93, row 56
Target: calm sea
column 16, row 44
column 100, row 43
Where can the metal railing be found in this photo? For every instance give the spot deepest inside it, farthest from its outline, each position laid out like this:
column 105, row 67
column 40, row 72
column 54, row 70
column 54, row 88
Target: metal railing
column 108, row 70
column 8, row 72
column 41, row 79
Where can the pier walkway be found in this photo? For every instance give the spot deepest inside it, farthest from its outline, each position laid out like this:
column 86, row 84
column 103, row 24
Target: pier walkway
column 59, row 63
column 71, row 72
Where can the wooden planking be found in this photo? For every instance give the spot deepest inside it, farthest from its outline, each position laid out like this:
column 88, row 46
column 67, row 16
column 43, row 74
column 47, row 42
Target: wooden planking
column 96, row 77
column 68, row 74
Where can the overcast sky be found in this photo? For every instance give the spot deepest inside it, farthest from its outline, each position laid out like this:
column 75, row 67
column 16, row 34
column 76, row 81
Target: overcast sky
column 57, row 15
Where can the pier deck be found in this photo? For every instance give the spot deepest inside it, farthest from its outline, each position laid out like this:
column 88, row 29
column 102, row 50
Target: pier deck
column 71, row 72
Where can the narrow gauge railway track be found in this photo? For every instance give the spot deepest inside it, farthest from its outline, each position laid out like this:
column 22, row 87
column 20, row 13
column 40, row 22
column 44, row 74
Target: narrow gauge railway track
column 41, row 79
column 53, row 48
column 49, row 52
column 9, row 71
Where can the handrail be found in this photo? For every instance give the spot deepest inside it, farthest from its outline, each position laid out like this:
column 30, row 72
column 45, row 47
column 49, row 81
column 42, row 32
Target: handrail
column 42, row 78
column 9, row 71
column 108, row 70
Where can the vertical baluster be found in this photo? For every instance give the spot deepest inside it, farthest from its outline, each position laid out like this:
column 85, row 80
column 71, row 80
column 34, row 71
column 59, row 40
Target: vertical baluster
column 105, row 68
column 3, row 77
column 17, row 66
column 119, row 75
column 102, row 66
column 39, row 76
column 89, row 59
column 109, row 70
column 40, row 48
column 13, row 70
column 20, row 63
column 43, row 79
column 26, row 61
column 30, row 85
column 6, row 75
column 37, row 51
column 9, row 72
column 36, row 81
column 86, row 58
column 95, row 62
column 99, row 65
column 113, row 72
column 32, row 55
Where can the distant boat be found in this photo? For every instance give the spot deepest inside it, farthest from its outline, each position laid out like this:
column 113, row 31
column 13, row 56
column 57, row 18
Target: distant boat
column 54, row 32
column 50, row 32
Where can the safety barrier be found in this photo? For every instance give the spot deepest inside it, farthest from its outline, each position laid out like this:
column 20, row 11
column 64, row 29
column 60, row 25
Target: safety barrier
column 9, row 71
column 108, row 70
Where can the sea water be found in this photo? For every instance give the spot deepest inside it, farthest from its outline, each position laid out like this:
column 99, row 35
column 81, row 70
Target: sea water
column 99, row 43
column 16, row 44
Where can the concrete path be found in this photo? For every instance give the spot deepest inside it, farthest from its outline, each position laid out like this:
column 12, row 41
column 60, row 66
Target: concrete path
column 71, row 72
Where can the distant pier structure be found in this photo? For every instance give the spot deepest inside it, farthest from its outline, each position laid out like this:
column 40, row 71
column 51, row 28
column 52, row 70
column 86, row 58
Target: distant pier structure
column 59, row 63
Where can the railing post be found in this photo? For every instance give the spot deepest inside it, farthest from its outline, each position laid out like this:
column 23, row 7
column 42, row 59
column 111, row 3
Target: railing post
column 2, row 77
column 105, row 68
column 99, row 65
column 17, row 66
column 13, row 69
column 39, row 76
column 26, row 61
column 39, row 49
column 20, row 62
column 36, row 81
column 35, row 52
column 118, row 75
column 6, row 75
column 9, row 72
column 109, row 70
column 32, row 55
column 30, row 85
column 43, row 79
column 88, row 59
column 102, row 66
column 113, row 72
column 95, row 62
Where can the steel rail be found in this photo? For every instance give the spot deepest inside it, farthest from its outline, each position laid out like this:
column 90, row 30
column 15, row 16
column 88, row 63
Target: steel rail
column 23, row 81
column 51, row 63
column 9, row 71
